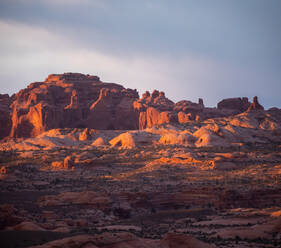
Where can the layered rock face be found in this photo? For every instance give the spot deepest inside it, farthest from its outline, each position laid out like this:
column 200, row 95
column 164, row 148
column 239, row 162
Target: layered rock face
column 74, row 100
column 156, row 109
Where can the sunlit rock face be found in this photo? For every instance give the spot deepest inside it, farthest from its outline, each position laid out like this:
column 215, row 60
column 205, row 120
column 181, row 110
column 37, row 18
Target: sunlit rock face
column 72, row 100
column 255, row 105
column 155, row 109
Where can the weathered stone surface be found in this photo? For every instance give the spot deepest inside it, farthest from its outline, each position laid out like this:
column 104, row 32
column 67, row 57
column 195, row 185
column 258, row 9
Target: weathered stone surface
column 239, row 104
column 153, row 117
column 155, row 109
column 132, row 139
column 72, row 100
column 188, row 106
column 255, row 105
column 184, row 118
column 113, row 110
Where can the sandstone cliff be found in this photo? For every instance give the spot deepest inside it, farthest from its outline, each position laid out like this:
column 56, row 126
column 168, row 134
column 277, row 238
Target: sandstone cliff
column 74, row 100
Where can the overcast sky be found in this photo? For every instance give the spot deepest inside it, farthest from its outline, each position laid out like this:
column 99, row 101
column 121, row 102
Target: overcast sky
column 212, row 49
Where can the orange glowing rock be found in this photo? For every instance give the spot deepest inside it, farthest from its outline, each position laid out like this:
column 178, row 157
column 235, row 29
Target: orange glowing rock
column 3, row 170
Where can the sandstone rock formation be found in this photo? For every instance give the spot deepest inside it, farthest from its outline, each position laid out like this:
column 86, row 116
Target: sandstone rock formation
column 154, row 109
column 238, row 104
column 74, row 100
column 255, row 127
column 98, row 142
column 176, row 138
column 255, row 105
column 132, row 139
column 5, row 120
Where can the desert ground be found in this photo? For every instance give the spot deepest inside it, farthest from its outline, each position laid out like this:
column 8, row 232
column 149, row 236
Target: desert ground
column 143, row 188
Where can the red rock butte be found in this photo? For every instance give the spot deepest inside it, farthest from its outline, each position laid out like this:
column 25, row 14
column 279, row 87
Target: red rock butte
column 75, row 100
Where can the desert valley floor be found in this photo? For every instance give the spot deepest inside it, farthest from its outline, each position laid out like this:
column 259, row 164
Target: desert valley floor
column 149, row 188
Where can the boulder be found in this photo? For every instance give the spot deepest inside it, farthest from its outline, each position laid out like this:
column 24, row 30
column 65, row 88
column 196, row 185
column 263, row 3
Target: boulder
column 132, row 139
column 210, row 135
column 99, row 142
column 124, row 140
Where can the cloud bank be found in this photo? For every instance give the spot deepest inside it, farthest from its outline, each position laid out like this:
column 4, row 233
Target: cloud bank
column 209, row 49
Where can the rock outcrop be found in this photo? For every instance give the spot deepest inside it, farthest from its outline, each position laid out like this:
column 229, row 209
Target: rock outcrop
column 5, row 119
column 74, row 100
column 154, row 109
column 238, row 104
column 255, row 105
column 132, row 139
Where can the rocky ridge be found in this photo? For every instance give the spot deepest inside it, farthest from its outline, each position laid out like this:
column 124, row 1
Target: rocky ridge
column 74, row 100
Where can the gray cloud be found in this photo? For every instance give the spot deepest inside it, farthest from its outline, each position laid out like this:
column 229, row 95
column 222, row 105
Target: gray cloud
column 236, row 42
